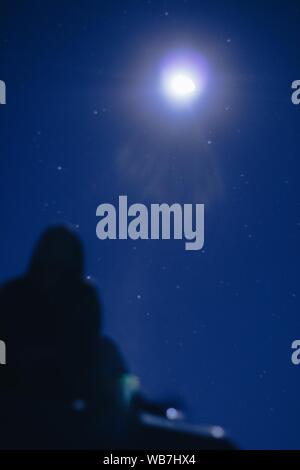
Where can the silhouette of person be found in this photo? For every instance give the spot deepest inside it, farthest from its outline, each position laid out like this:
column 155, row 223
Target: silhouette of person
column 61, row 385
column 65, row 385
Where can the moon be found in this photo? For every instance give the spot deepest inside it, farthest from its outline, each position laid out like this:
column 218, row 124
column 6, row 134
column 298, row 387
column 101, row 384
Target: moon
column 184, row 76
column 181, row 85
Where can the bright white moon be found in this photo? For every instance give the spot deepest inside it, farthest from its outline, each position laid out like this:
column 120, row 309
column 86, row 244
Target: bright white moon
column 183, row 77
column 181, row 85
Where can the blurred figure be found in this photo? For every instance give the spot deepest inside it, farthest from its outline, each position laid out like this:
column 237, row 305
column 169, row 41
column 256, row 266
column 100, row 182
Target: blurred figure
column 61, row 387
column 65, row 385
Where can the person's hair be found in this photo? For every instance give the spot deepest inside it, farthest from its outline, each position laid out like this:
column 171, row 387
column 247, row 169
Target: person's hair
column 58, row 252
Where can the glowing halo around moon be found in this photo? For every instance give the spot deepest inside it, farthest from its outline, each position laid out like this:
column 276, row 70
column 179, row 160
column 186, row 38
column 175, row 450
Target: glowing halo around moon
column 183, row 78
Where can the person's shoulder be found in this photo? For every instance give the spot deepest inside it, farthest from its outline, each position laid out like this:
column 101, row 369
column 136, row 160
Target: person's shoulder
column 112, row 355
column 82, row 286
column 12, row 295
column 13, row 286
column 107, row 344
column 88, row 291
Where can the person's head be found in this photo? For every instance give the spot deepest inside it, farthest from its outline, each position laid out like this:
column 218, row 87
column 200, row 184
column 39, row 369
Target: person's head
column 58, row 255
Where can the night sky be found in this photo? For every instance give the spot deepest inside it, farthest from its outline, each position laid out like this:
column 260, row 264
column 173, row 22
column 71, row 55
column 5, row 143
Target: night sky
column 85, row 122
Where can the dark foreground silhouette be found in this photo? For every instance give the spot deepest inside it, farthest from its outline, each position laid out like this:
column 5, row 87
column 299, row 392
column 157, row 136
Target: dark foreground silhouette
column 65, row 385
